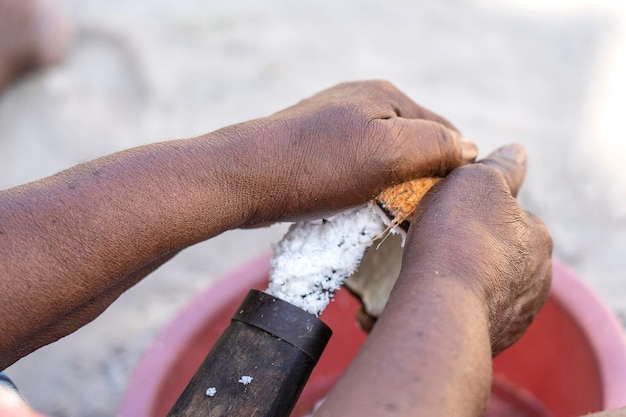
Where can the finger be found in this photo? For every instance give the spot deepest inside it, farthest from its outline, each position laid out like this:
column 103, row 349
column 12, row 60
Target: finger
column 401, row 104
column 426, row 148
column 510, row 161
column 407, row 108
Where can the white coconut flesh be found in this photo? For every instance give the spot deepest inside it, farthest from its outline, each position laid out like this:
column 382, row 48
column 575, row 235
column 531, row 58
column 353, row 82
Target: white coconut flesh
column 315, row 258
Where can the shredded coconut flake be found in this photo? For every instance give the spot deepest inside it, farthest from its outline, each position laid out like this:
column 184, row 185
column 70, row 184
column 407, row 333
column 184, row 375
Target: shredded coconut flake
column 245, row 379
column 314, row 258
column 211, row 391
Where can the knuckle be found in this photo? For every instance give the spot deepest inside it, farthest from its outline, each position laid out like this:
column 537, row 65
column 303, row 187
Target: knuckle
column 380, row 84
column 446, row 146
column 377, row 89
column 386, row 86
column 487, row 172
column 485, row 176
column 383, row 145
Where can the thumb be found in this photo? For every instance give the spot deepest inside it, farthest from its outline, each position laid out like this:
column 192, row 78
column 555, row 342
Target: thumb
column 510, row 161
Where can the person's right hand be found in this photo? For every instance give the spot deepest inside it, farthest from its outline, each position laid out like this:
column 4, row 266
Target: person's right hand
column 469, row 227
column 475, row 271
column 339, row 149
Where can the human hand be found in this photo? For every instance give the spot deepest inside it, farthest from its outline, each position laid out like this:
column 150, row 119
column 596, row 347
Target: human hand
column 469, row 227
column 342, row 146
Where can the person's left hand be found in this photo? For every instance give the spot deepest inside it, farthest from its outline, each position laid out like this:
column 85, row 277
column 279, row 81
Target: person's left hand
column 469, row 227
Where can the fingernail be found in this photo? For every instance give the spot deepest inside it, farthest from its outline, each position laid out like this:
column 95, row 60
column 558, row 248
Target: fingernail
column 515, row 152
column 469, row 150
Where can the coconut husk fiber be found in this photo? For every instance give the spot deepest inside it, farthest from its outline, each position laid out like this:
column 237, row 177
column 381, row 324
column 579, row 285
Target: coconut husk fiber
column 380, row 267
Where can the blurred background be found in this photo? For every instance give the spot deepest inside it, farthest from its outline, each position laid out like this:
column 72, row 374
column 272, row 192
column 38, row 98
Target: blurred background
column 547, row 74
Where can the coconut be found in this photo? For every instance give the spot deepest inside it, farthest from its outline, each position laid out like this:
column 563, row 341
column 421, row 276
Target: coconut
column 315, row 258
column 380, row 266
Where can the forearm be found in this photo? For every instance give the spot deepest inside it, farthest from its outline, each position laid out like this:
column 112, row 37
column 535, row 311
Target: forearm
column 428, row 355
column 78, row 316
column 75, row 239
column 476, row 269
column 70, row 243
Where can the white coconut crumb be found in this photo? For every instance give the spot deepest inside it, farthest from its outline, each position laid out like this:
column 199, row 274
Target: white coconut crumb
column 211, row 391
column 314, row 258
column 245, row 379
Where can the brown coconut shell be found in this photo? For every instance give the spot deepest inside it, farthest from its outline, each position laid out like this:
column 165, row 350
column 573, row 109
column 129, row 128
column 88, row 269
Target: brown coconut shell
column 380, row 267
column 400, row 201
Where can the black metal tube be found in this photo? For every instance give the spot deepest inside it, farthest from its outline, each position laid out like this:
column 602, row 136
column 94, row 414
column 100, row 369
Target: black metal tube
column 259, row 365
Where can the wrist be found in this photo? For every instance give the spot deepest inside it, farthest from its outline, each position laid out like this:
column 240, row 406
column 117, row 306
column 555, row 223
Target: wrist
column 434, row 288
column 432, row 273
column 438, row 256
column 246, row 165
column 433, row 336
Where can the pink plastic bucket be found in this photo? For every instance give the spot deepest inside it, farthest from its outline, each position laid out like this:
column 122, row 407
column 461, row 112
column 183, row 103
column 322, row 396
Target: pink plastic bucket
column 571, row 361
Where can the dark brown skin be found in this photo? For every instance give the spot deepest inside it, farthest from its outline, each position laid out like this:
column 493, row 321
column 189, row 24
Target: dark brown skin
column 71, row 243
column 475, row 271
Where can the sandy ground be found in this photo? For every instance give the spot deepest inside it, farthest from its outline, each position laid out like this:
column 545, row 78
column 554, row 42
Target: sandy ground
column 545, row 74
